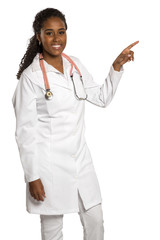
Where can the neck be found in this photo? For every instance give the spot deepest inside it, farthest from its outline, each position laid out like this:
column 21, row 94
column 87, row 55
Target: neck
column 53, row 60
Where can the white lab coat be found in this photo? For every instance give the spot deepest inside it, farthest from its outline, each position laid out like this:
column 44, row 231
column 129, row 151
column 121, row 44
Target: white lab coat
column 51, row 135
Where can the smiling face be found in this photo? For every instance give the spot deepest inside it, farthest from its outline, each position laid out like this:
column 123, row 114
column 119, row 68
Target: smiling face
column 53, row 37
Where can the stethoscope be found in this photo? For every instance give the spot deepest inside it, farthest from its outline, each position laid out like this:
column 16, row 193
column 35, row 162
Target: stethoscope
column 49, row 94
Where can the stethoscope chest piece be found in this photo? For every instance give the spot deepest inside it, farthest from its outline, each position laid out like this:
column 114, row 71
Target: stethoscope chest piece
column 48, row 95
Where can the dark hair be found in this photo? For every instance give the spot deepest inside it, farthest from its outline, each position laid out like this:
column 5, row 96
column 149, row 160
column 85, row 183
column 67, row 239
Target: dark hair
column 33, row 46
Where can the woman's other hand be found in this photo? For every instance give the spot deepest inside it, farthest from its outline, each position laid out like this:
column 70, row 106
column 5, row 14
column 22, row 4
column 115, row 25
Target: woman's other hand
column 125, row 56
column 36, row 189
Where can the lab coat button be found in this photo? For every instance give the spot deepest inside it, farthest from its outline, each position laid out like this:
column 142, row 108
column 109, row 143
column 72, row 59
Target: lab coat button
column 73, row 155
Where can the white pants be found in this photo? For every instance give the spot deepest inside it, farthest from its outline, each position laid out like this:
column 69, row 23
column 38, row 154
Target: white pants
column 91, row 219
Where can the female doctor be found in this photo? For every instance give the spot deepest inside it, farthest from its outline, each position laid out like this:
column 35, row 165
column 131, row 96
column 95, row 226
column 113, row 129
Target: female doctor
column 49, row 104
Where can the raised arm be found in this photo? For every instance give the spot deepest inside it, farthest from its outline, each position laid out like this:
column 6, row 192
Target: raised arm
column 100, row 94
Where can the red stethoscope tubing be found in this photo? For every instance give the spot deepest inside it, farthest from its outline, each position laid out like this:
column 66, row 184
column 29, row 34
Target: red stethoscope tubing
column 44, row 70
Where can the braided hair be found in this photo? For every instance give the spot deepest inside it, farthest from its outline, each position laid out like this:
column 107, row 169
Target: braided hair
column 33, row 46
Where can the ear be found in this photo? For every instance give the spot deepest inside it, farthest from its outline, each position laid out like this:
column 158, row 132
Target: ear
column 38, row 37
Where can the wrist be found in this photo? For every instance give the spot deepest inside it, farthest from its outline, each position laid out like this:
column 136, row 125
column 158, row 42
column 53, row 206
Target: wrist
column 116, row 67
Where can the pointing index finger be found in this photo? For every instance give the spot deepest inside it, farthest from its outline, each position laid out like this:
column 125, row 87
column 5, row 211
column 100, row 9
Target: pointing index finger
column 133, row 44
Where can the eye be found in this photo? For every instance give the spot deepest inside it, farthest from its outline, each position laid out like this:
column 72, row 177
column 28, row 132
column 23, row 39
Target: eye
column 62, row 32
column 48, row 33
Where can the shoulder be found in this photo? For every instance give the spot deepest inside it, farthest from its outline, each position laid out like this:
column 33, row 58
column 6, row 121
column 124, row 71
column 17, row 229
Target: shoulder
column 28, row 76
column 34, row 65
column 74, row 58
column 79, row 64
column 33, row 73
column 77, row 61
column 87, row 76
column 28, row 73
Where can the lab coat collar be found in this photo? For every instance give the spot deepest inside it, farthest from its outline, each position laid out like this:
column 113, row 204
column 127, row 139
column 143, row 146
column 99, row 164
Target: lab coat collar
column 35, row 74
column 50, row 68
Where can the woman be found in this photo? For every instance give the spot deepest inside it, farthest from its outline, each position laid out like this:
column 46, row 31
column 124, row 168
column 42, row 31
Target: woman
column 59, row 173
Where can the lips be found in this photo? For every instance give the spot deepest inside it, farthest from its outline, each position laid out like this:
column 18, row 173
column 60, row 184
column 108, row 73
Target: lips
column 56, row 46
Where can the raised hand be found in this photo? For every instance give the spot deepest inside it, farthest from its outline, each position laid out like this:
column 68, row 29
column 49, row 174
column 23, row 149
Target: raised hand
column 36, row 189
column 125, row 56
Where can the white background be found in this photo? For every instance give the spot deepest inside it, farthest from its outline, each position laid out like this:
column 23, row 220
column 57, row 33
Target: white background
column 123, row 138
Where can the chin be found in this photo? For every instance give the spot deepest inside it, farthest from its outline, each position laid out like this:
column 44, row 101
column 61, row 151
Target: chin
column 56, row 53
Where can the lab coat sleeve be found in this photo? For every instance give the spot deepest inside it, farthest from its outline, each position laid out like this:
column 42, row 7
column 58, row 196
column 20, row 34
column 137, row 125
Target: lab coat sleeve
column 101, row 95
column 24, row 103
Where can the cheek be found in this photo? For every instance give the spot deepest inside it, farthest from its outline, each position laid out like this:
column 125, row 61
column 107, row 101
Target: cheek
column 46, row 40
column 64, row 39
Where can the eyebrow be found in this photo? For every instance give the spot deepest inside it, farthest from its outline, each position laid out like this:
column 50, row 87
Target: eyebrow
column 52, row 29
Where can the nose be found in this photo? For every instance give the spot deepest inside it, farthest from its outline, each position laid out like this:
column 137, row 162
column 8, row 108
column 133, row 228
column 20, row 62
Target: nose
column 56, row 37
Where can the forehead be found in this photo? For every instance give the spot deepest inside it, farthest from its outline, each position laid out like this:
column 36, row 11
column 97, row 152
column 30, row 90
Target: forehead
column 54, row 23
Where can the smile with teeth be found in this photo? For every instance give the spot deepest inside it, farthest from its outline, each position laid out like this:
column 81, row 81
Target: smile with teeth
column 56, row 46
